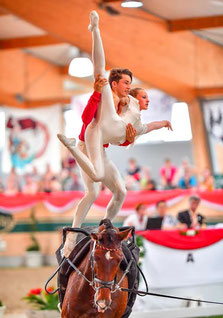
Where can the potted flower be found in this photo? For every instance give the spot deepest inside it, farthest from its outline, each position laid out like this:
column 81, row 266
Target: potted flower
column 45, row 305
column 2, row 309
column 33, row 256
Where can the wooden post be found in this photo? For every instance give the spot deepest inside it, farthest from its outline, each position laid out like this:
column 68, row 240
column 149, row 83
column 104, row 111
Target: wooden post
column 200, row 146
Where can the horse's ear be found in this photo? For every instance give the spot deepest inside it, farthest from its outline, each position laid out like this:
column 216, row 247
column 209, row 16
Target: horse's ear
column 94, row 236
column 123, row 235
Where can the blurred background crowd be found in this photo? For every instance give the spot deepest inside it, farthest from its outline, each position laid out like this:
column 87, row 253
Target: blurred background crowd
column 137, row 178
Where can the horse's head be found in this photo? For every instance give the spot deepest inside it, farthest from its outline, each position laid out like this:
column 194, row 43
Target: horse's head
column 106, row 257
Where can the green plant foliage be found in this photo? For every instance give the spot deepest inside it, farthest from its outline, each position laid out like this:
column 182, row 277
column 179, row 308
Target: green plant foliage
column 140, row 244
column 33, row 227
column 35, row 246
column 42, row 300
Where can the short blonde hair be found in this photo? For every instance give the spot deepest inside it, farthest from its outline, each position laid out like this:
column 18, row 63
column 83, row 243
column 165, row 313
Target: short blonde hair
column 134, row 91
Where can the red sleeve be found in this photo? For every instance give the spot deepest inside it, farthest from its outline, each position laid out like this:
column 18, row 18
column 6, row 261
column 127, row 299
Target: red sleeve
column 126, row 143
column 91, row 108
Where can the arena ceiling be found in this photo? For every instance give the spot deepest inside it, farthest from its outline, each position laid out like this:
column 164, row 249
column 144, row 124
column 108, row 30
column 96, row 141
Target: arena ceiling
column 174, row 45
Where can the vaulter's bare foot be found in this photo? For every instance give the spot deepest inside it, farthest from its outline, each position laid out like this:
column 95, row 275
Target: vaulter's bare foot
column 68, row 142
column 94, row 19
column 69, row 244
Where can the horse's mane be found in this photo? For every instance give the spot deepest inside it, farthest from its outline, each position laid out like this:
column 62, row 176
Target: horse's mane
column 107, row 224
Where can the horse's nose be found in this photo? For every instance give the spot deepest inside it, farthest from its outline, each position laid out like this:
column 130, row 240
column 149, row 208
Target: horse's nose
column 103, row 304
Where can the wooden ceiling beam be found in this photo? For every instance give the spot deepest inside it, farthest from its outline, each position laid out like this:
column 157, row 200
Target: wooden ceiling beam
column 29, row 41
column 3, row 12
column 196, row 23
column 168, row 61
column 209, row 92
column 10, row 100
column 48, row 101
column 108, row 1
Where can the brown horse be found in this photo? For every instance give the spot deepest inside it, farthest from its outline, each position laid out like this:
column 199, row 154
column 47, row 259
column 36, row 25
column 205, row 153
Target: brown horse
column 95, row 292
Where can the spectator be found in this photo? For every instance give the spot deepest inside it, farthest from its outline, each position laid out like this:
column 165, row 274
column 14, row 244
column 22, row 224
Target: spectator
column 207, row 181
column 132, row 179
column 31, row 186
column 55, row 185
column 131, row 183
column 185, row 164
column 162, row 220
column 188, row 180
column 168, row 174
column 151, row 185
column 1, row 186
column 46, row 179
column 73, row 182
column 36, row 176
column 146, row 183
column 138, row 219
column 65, row 178
column 68, row 163
column 145, row 178
column 133, row 169
column 191, row 218
column 12, row 183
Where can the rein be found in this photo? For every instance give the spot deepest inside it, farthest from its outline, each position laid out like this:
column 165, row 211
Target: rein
column 144, row 293
column 112, row 285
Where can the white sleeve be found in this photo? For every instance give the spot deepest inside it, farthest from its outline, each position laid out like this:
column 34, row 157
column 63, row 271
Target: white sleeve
column 169, row 221
column 141, row 129
column 127, row 221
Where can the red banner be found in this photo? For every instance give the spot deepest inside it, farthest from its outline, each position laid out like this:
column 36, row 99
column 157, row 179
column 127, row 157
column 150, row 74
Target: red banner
column 63, row 201
column 176, row 240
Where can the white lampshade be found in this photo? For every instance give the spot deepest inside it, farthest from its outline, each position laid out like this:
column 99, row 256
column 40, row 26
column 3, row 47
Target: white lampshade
column 131, row 4
column 80, row 67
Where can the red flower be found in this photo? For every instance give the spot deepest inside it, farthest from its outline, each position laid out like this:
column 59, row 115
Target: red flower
column 36, row 291
column 50, row 290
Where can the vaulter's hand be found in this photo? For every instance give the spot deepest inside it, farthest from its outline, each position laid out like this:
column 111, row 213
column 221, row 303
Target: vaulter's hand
column 130, row 133
column 99, row 83
column 124, row 101
column 167, row 124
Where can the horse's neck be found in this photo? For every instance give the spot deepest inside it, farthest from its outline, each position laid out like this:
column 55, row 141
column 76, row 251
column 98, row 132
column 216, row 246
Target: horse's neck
column 85, row 266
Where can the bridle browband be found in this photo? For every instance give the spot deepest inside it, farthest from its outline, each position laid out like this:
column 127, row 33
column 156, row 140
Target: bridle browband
column 109, row 249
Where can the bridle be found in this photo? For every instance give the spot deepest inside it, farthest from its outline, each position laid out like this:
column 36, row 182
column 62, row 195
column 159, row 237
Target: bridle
column 111, row 285
column 97, row 283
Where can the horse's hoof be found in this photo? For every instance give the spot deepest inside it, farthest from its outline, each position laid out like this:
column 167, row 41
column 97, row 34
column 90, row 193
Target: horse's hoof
column 68, row 142
column 94, row 18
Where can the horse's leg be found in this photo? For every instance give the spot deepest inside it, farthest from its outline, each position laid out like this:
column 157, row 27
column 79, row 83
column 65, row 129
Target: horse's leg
column 116, row 185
